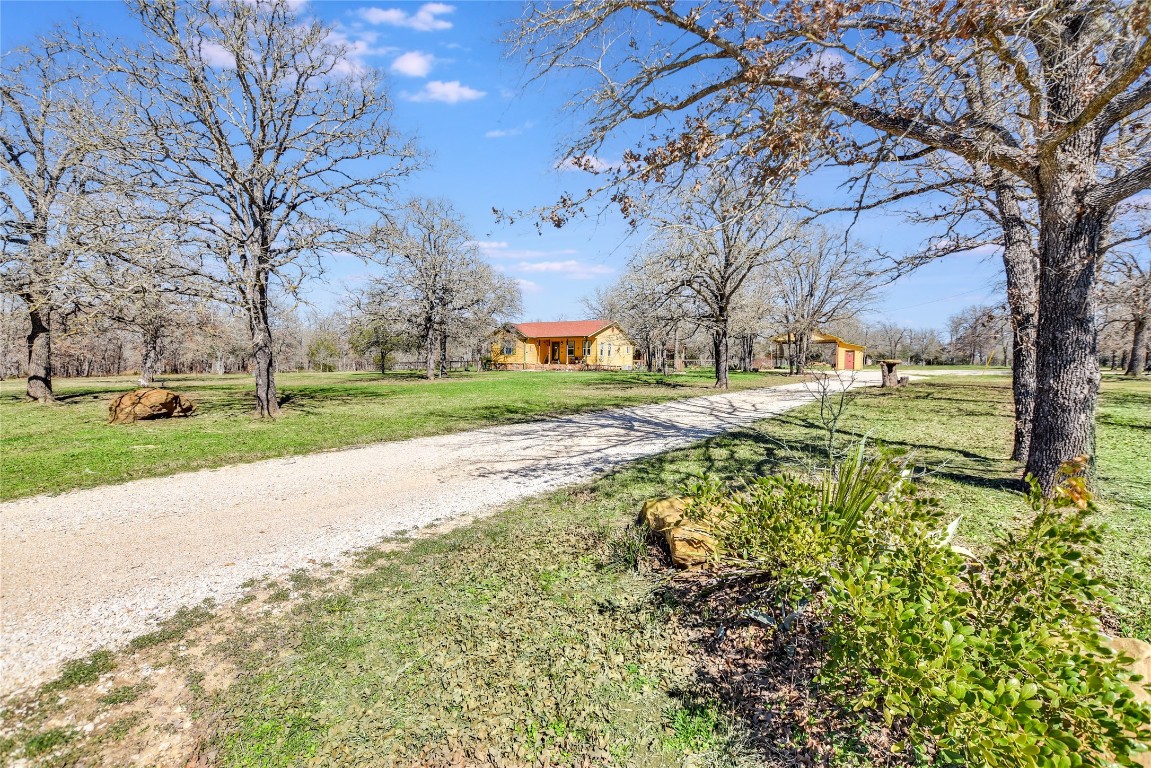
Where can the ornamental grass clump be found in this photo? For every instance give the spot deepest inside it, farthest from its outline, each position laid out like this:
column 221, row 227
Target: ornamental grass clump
column 993, row 662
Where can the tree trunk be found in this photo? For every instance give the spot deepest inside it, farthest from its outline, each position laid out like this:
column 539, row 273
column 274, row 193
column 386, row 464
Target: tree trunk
column 39, row 353
column 150, row 358
column 1063, row 424
column 720, row 349
column 263, row 356
column 1137, row 360
column 443, row 339
column 802, row 344
column 1022, row 270
column 431, row 346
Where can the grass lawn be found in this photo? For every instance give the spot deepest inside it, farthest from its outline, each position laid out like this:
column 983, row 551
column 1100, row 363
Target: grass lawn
column 530, row 635
column 48, row 449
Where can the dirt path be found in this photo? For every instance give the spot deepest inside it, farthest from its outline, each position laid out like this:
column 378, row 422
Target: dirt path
column 93, row 568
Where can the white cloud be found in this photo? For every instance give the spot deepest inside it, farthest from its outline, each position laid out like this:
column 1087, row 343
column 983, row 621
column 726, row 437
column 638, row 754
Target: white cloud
column 216, row 55
column 414, row 64
column 503, row 133
column 425, row 19
column 359, row 45
column 571, row 268
column 451, row 92
column 498, row 249
column 586, row 163
column 528, row 286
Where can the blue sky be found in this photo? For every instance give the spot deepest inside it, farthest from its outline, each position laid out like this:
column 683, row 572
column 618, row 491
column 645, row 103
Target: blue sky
column 493, row 141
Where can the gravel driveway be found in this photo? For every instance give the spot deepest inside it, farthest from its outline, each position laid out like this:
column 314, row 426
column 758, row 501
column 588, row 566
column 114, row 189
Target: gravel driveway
column 94, row 568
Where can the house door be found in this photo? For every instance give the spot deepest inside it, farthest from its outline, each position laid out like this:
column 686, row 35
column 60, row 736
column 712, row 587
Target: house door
column 849, row 360
column 555, row 351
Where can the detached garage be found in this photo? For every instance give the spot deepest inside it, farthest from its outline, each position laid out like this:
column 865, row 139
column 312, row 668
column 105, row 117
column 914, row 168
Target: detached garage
column 848, row 356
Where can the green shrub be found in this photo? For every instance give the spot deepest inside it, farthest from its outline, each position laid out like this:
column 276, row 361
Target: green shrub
column 995, row 663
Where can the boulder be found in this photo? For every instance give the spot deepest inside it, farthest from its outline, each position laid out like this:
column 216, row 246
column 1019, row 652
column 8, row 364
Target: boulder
column 691, row 542
column 661, row 514
column 148, row 403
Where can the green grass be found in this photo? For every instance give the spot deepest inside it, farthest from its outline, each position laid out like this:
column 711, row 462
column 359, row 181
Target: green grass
column 515, row 636
column 49, row 449
column 532, row 624
column 958, row 431
column 83, row 671
column 530, row 634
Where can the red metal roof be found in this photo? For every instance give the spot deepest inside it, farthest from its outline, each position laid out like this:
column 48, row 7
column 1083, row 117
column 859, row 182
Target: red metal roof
column 580, row 328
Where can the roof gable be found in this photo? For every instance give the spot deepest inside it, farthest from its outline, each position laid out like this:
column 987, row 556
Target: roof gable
column 562, row 328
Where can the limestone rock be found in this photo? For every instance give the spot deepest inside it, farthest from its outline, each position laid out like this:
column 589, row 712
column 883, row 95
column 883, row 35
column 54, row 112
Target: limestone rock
column 147, row 403
column 691, row 542
column 661, row 514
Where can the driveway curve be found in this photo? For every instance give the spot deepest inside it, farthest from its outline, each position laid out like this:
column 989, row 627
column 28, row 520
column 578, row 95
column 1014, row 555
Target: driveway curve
column 94, row 568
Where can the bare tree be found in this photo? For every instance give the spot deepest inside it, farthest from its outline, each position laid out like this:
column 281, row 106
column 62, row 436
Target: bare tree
column 651, row 312
column 714, row 238
column 46, row 164
column 435, row 285
column 893, row 336
column 978, row 333
column 262, row 137
column 142, row 303
column 1127, row 291
column 822, row 281
column 781, row 82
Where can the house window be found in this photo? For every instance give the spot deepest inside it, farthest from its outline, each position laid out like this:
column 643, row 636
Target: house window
column 571, row 349
column 587, row 348
column 509, row 347
column 601, row 349
column 609, row 349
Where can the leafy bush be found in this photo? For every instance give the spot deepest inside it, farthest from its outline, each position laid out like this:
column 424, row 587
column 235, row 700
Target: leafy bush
column 995, row 663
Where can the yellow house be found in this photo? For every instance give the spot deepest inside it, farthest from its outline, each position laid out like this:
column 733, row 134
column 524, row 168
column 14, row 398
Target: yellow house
column 848, row 356
column 563, row 345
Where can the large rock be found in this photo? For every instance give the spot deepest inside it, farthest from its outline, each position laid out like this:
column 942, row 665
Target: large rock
column 691, row 542
column 148, row 403
column 661, row 514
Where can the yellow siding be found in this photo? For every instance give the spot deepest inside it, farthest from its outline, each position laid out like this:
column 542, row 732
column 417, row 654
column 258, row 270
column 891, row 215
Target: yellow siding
column 611, row 347
column 536, row 351
column 841, row 359
column 524, row 353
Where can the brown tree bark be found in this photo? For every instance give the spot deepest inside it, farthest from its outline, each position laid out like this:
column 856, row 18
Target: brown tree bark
column 1022, row 269
column 720, row 349
column 443, row 340
column 263, row 357
column 1063, row 424
column 39, row 353
column 430, row 339
column 1137, row 360
column 150, row 359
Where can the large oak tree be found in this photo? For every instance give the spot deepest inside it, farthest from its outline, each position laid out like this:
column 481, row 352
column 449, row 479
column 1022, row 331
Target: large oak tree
column 1067, row 81
column 47, row 165
column 263, row 137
